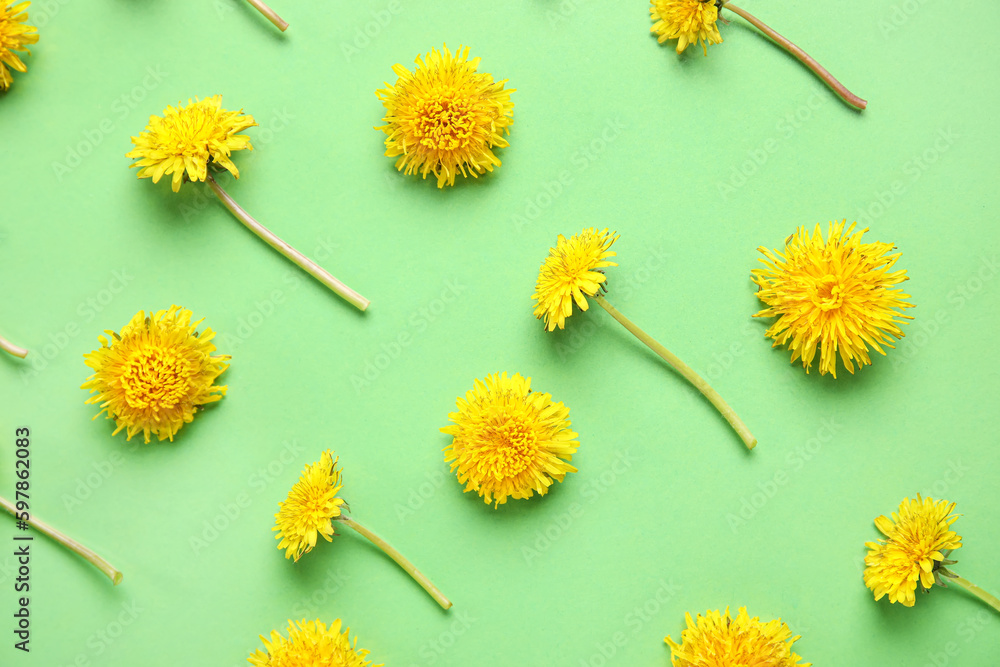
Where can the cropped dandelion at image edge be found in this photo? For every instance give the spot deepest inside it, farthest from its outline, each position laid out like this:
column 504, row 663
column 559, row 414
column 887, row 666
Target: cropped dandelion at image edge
column 718, row 640
column 311, row 644
column 445, row 118
column 15, row 35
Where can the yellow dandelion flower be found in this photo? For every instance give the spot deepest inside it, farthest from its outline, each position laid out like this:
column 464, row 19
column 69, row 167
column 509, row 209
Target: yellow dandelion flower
column 509, row 441
column 687, row 21
column 837, row 295
column 310, row 644
column 186, row 139
column 15, row 35
column 918, row 540
column 154, row 375
column 445, row 118
column 310, row 508
column 717, row 640
column 571, row 273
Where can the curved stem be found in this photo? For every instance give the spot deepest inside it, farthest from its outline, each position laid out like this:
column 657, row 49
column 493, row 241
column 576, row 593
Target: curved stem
column 300, row 260
column 280, row 23
column 803, row 57
column 104, row 566
column 700, row 384
column 988, row 598
column 400, row 560
column 9, row 347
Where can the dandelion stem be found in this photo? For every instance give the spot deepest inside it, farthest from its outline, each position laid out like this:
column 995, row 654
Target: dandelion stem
column 9, row 347
column 279, row 23
column 803, row 57
column 104, row 566
column 303, row 262
column 700, row 384
column 988, row 598
column 400, row 560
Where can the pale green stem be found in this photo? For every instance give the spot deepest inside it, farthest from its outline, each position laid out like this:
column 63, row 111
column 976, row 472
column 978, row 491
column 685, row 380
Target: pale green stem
column 988, row 598
column 300, row 260
column 8, row 346
column 281, row 24
column 400, row 560
column 803, row 57
column 104, row 566
column 700, row 384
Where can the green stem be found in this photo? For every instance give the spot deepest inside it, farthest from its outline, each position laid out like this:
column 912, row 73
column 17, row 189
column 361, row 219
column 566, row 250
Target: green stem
column 280, row 23
column 400, row 560
column 104, row 566
column 803, row 57
column 988, row 598
column 700, row 384
column 300, row 260
column 9, row 347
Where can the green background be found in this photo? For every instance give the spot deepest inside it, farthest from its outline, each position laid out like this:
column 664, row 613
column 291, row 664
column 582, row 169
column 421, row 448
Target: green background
column 649, row 527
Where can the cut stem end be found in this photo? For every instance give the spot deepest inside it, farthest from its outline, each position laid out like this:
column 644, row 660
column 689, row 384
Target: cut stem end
column 271, row 15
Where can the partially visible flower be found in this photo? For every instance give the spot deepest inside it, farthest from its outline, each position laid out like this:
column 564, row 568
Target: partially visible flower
column 570, row 273
column 186, row 139
column 687, row 21
column 310, row 644
column 153, row 376
column 445, row 118
column 15, row 35
column 509, row 441
column 717, row 640
column 835, row 296
column 918, row 540
column 310, row 508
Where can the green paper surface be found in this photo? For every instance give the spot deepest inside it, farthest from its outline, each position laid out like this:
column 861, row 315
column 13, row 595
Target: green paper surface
column 695, row 161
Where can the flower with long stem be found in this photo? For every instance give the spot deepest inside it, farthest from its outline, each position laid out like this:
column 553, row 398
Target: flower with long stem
column 718, row 640
column 104, row 566
column 573, row 271
column 916, row 550
column 310, row 644
column 695, row 22
column 187, row 140
column 270, row 14
column 15, row 35
column 10, row 348
column 310, row 510
column 835, row 296
column 508, row 441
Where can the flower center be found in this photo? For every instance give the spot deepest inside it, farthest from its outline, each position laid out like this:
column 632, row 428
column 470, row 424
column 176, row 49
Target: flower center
column 444, row 122
column 156, row 378
column 829, row 293
column 514, row 446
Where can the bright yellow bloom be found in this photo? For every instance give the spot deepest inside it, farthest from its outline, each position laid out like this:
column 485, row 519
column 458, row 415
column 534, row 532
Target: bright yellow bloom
column 717, row 640
column 445, row 118
column 509, row 441
column 917, row 542
column 687, row 21
column 310, row 644
column 187, row 138
column 837, row 294
column 310, row 508
column 571, row 273
column 14, row 36
column 153, row 376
